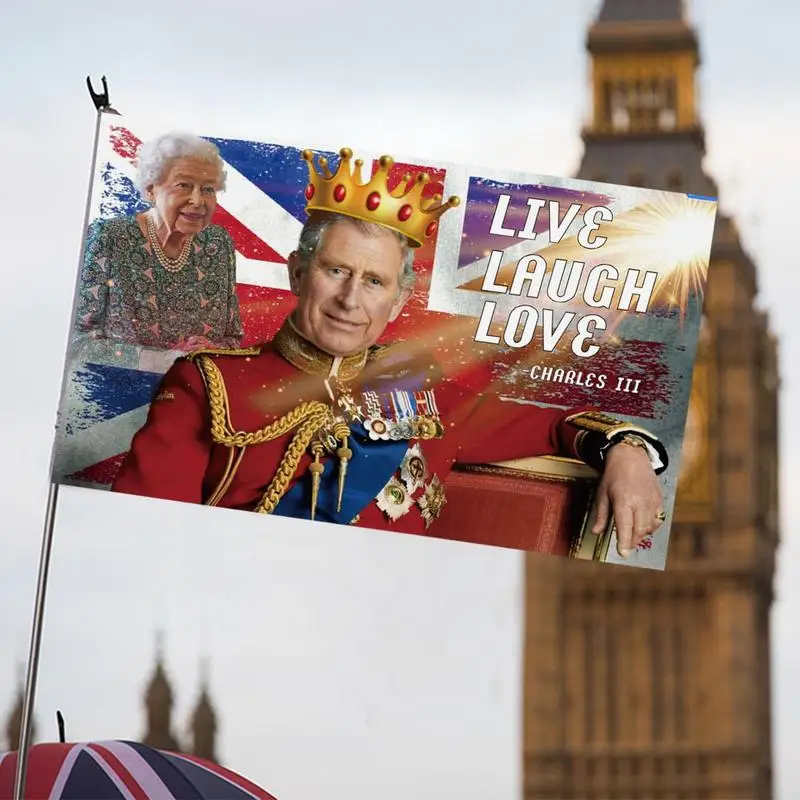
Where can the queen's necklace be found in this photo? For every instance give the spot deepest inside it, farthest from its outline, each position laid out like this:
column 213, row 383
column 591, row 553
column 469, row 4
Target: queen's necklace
column 169, row 264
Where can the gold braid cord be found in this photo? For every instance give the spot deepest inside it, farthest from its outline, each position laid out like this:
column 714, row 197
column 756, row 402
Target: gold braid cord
column 308, row 418
column 291, row 458
column 221, row 351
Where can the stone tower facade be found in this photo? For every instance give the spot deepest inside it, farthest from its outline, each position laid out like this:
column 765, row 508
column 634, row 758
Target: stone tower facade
column 652, row 685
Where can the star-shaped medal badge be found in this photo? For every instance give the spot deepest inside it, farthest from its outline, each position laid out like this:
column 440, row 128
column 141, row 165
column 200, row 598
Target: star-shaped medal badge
column 432, row 502
column 350, row 407
column 414, row 470
column 394, row 500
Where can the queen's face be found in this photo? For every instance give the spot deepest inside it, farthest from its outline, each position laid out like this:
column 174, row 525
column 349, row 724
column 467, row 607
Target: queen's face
column 186, row 194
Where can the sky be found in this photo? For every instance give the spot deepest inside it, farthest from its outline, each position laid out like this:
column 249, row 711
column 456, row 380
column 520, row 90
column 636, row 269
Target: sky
column 346, row 664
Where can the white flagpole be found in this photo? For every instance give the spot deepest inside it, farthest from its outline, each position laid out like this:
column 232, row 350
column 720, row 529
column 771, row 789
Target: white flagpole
column 101, row 103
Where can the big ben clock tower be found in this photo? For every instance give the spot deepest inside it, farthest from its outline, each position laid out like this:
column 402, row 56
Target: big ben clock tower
column 654, row 685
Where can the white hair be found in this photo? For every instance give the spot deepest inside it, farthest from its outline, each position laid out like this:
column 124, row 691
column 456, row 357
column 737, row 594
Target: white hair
column 155, row 156
column 320, row 221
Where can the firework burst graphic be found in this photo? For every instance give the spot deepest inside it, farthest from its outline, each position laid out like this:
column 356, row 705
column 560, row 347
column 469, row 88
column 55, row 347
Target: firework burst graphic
column 670, row 235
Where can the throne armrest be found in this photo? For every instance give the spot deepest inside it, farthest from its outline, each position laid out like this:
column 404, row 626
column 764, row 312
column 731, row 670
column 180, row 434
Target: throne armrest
column 541, row 504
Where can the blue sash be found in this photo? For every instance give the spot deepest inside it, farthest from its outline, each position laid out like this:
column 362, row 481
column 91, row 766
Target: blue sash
column 369, row 470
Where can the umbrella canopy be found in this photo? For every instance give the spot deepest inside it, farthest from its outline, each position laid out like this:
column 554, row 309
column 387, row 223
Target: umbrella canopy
column 118, row 770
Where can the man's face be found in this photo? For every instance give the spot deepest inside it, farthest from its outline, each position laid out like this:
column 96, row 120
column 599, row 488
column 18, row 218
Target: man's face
column 350, row 291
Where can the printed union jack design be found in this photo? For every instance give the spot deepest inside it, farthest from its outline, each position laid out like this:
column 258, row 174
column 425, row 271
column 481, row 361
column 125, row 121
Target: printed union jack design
column 117, row 770
column 263, row 209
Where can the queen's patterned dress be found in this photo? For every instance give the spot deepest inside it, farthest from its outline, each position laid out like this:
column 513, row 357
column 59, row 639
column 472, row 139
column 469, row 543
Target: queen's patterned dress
column 126, row 297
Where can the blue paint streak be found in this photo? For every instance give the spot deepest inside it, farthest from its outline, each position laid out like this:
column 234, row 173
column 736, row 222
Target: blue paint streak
column 277, row 171
column 702, row 197
column 115, row 390
column 119, row 197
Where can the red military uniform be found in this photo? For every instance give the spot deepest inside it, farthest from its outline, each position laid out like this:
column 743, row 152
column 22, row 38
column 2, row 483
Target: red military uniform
column 233, row 429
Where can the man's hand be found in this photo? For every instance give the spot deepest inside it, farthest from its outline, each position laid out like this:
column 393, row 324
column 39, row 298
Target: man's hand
column 629, row 489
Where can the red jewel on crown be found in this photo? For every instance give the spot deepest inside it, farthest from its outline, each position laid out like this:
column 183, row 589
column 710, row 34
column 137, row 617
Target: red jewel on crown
column 431, row 228
column 373, row 200
column 404, row 213
column 309, row 191
column 339, row 193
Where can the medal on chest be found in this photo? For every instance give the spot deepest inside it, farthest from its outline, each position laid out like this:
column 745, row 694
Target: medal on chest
column 401, row 493
column 401, row 414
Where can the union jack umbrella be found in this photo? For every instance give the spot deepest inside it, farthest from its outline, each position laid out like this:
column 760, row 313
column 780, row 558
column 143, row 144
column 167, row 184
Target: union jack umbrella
column 120, row 770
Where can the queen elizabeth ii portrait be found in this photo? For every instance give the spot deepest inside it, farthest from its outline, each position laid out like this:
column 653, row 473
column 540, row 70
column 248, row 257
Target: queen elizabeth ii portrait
column 163, row 279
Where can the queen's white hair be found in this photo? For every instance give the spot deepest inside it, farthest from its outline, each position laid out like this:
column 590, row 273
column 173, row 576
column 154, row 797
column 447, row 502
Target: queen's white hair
column 155, row 156
column 320, row 221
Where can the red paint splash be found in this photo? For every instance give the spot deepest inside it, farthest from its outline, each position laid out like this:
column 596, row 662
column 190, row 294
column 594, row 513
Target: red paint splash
column 638, row 360
column 125, row 144
column 102, row 473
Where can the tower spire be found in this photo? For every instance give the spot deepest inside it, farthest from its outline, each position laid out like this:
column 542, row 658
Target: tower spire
column 204, row 719
column 159, row 645
column 158, row 705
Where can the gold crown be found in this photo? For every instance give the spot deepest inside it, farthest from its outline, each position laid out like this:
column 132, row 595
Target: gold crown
column 401, row 209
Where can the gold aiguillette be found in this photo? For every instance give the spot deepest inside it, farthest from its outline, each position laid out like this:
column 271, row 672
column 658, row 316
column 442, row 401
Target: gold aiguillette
column 342, row 432
column 316, row 468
